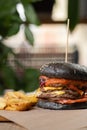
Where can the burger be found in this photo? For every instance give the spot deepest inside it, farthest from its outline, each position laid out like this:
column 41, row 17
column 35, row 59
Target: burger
column 63, row 86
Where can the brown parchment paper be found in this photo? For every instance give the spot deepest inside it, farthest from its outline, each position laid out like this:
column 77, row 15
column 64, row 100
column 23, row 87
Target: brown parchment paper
column 43, row 119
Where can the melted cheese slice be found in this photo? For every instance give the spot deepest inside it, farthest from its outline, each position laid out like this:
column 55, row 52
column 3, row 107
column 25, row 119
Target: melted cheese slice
column 58, row 92
column 52, row 88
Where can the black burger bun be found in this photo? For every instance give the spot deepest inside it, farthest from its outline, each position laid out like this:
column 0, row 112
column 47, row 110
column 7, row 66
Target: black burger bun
column 56, row 106
column 65, row 70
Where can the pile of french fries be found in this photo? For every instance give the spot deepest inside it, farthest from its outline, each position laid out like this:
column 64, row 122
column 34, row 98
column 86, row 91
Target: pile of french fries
column 17, row 101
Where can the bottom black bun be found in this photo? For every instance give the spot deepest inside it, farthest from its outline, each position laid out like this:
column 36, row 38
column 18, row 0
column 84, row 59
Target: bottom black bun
column 55, row 106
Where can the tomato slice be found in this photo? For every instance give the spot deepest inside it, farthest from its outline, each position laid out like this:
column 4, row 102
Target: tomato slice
column 70, row 101
column 49, row 81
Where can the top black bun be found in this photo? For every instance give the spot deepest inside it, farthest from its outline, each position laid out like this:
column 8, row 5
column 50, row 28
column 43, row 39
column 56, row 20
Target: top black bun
column 65, row 70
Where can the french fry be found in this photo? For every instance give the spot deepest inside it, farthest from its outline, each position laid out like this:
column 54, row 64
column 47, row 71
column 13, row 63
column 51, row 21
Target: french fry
column 2, row 103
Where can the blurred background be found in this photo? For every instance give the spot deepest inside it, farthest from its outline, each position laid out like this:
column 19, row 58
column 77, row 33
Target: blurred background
column 34, row 32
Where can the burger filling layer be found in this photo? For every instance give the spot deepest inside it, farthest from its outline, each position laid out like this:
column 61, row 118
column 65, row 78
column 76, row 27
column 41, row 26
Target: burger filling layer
column 62, row 90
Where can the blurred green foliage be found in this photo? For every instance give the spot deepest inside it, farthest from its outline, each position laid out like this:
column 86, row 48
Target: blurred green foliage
column 10, row 22
column 73, row 13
